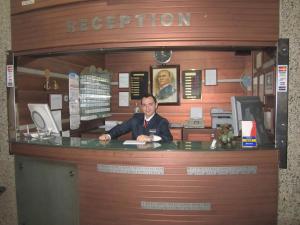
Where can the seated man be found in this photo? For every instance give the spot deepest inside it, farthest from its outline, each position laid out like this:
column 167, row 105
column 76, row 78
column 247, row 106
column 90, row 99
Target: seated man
column 143, row 125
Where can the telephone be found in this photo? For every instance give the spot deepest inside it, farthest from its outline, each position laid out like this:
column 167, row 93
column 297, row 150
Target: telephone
column 194, row 123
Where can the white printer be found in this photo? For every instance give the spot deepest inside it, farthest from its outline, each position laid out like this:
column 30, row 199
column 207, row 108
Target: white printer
column 219, row 117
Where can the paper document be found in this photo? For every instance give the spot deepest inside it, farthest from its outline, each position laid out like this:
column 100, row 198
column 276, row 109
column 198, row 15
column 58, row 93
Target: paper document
column 196, row 113
column 156, row 138
column 133, row 142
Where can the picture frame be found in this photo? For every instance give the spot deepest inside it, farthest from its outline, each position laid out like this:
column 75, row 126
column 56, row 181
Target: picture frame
column 165, row 84
column 123, row 80
column 191, row 84
column 255, row 86
column 55, row 101
column 269, row 83
column 261, row 88
column 210, row 77
column 123, row 99
column 258, row 60
column 138, row 84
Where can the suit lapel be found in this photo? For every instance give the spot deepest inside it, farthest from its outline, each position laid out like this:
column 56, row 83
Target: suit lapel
column 152, row 121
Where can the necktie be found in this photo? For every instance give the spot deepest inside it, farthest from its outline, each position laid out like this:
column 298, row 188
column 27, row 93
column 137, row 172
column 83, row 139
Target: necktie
column 146, row 123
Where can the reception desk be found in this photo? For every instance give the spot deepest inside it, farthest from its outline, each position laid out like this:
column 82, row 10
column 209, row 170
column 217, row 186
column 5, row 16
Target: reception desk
column 172, row 183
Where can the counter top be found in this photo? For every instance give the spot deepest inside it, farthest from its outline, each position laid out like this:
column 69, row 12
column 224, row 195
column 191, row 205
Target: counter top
column 85, row 143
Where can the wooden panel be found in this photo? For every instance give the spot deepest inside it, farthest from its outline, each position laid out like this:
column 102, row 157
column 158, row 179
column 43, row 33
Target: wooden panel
column 228, row 65
column 17, row 6
column 192, row 134
column 111, row 198
column 62, row 64
column 30, row 86
column 241, row 199
column 176, row 133
column 231, row 23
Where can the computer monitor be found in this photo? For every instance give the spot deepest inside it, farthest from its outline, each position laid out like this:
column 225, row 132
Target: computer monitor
column 249, row 108
column 42, row 118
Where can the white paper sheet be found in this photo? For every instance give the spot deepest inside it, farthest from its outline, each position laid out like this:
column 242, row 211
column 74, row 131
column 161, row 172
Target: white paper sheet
column 133, row 142
column 57, row 118
column 123, row 80
column 196, row 113
column 123, row 98
column 55, row 101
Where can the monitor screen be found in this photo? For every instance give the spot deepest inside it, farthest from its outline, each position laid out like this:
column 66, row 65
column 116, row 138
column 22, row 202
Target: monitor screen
column 249, row 108
column 42, row 118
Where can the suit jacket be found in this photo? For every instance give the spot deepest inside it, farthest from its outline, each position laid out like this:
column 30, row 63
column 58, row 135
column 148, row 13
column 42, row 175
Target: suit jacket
column 166, row 92
column 156, row 126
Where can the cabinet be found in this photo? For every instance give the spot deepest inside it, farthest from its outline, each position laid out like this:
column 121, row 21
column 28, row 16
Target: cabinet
column 176, row 133
column 197, row 134
column 46, row 192
column 95, row 95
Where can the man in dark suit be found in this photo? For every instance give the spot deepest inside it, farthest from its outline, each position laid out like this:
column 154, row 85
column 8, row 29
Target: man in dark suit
column 143, row 125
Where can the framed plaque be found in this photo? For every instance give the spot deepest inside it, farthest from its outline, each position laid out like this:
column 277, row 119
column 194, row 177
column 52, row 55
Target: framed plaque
column 255, row 86
column 165, row 84
column 269, row 83
column 261, row 87
column 192, row 82
column 123, row 80
column 210, row 76
column 123, row 99
column 138, row 84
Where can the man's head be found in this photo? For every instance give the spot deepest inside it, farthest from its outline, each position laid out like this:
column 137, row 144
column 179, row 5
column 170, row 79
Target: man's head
column 163, row 77
column 149, row 105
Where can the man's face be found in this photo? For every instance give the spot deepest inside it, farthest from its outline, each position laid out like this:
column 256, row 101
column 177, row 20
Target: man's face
column 163, row 78
column 148, row 106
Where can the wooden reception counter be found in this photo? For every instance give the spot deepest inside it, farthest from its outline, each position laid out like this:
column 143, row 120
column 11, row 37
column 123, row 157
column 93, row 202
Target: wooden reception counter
column 83, row 181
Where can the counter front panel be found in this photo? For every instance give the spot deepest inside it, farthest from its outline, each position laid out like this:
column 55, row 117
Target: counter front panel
column 176, row 183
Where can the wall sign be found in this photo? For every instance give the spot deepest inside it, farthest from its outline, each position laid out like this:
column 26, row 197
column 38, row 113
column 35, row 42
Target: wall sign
column 192, row 82
column 10, row 81
column 96, row 23
column 138, row 84
column 282, row 77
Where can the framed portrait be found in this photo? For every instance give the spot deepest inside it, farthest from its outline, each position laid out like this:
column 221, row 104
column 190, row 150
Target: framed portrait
column 269, row 83
column 165, row 84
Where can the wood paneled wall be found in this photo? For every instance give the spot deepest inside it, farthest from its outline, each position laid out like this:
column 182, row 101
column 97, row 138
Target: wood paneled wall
column 228, row 65
column 211, row 23
column 29, row 86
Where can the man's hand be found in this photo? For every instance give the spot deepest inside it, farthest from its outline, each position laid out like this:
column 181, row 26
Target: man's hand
column 104, row 137
column 144, row 138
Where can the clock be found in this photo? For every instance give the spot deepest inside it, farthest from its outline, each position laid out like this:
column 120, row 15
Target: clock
column 163, row 56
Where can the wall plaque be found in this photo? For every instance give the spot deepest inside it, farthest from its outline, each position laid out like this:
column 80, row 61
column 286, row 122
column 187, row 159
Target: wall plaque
column 146, row 170
column 192, row 81
column 138, row 84
column 226, row 170
column 186, row 206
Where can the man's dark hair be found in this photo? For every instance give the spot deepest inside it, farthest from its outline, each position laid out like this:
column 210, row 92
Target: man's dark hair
column 149, row 95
